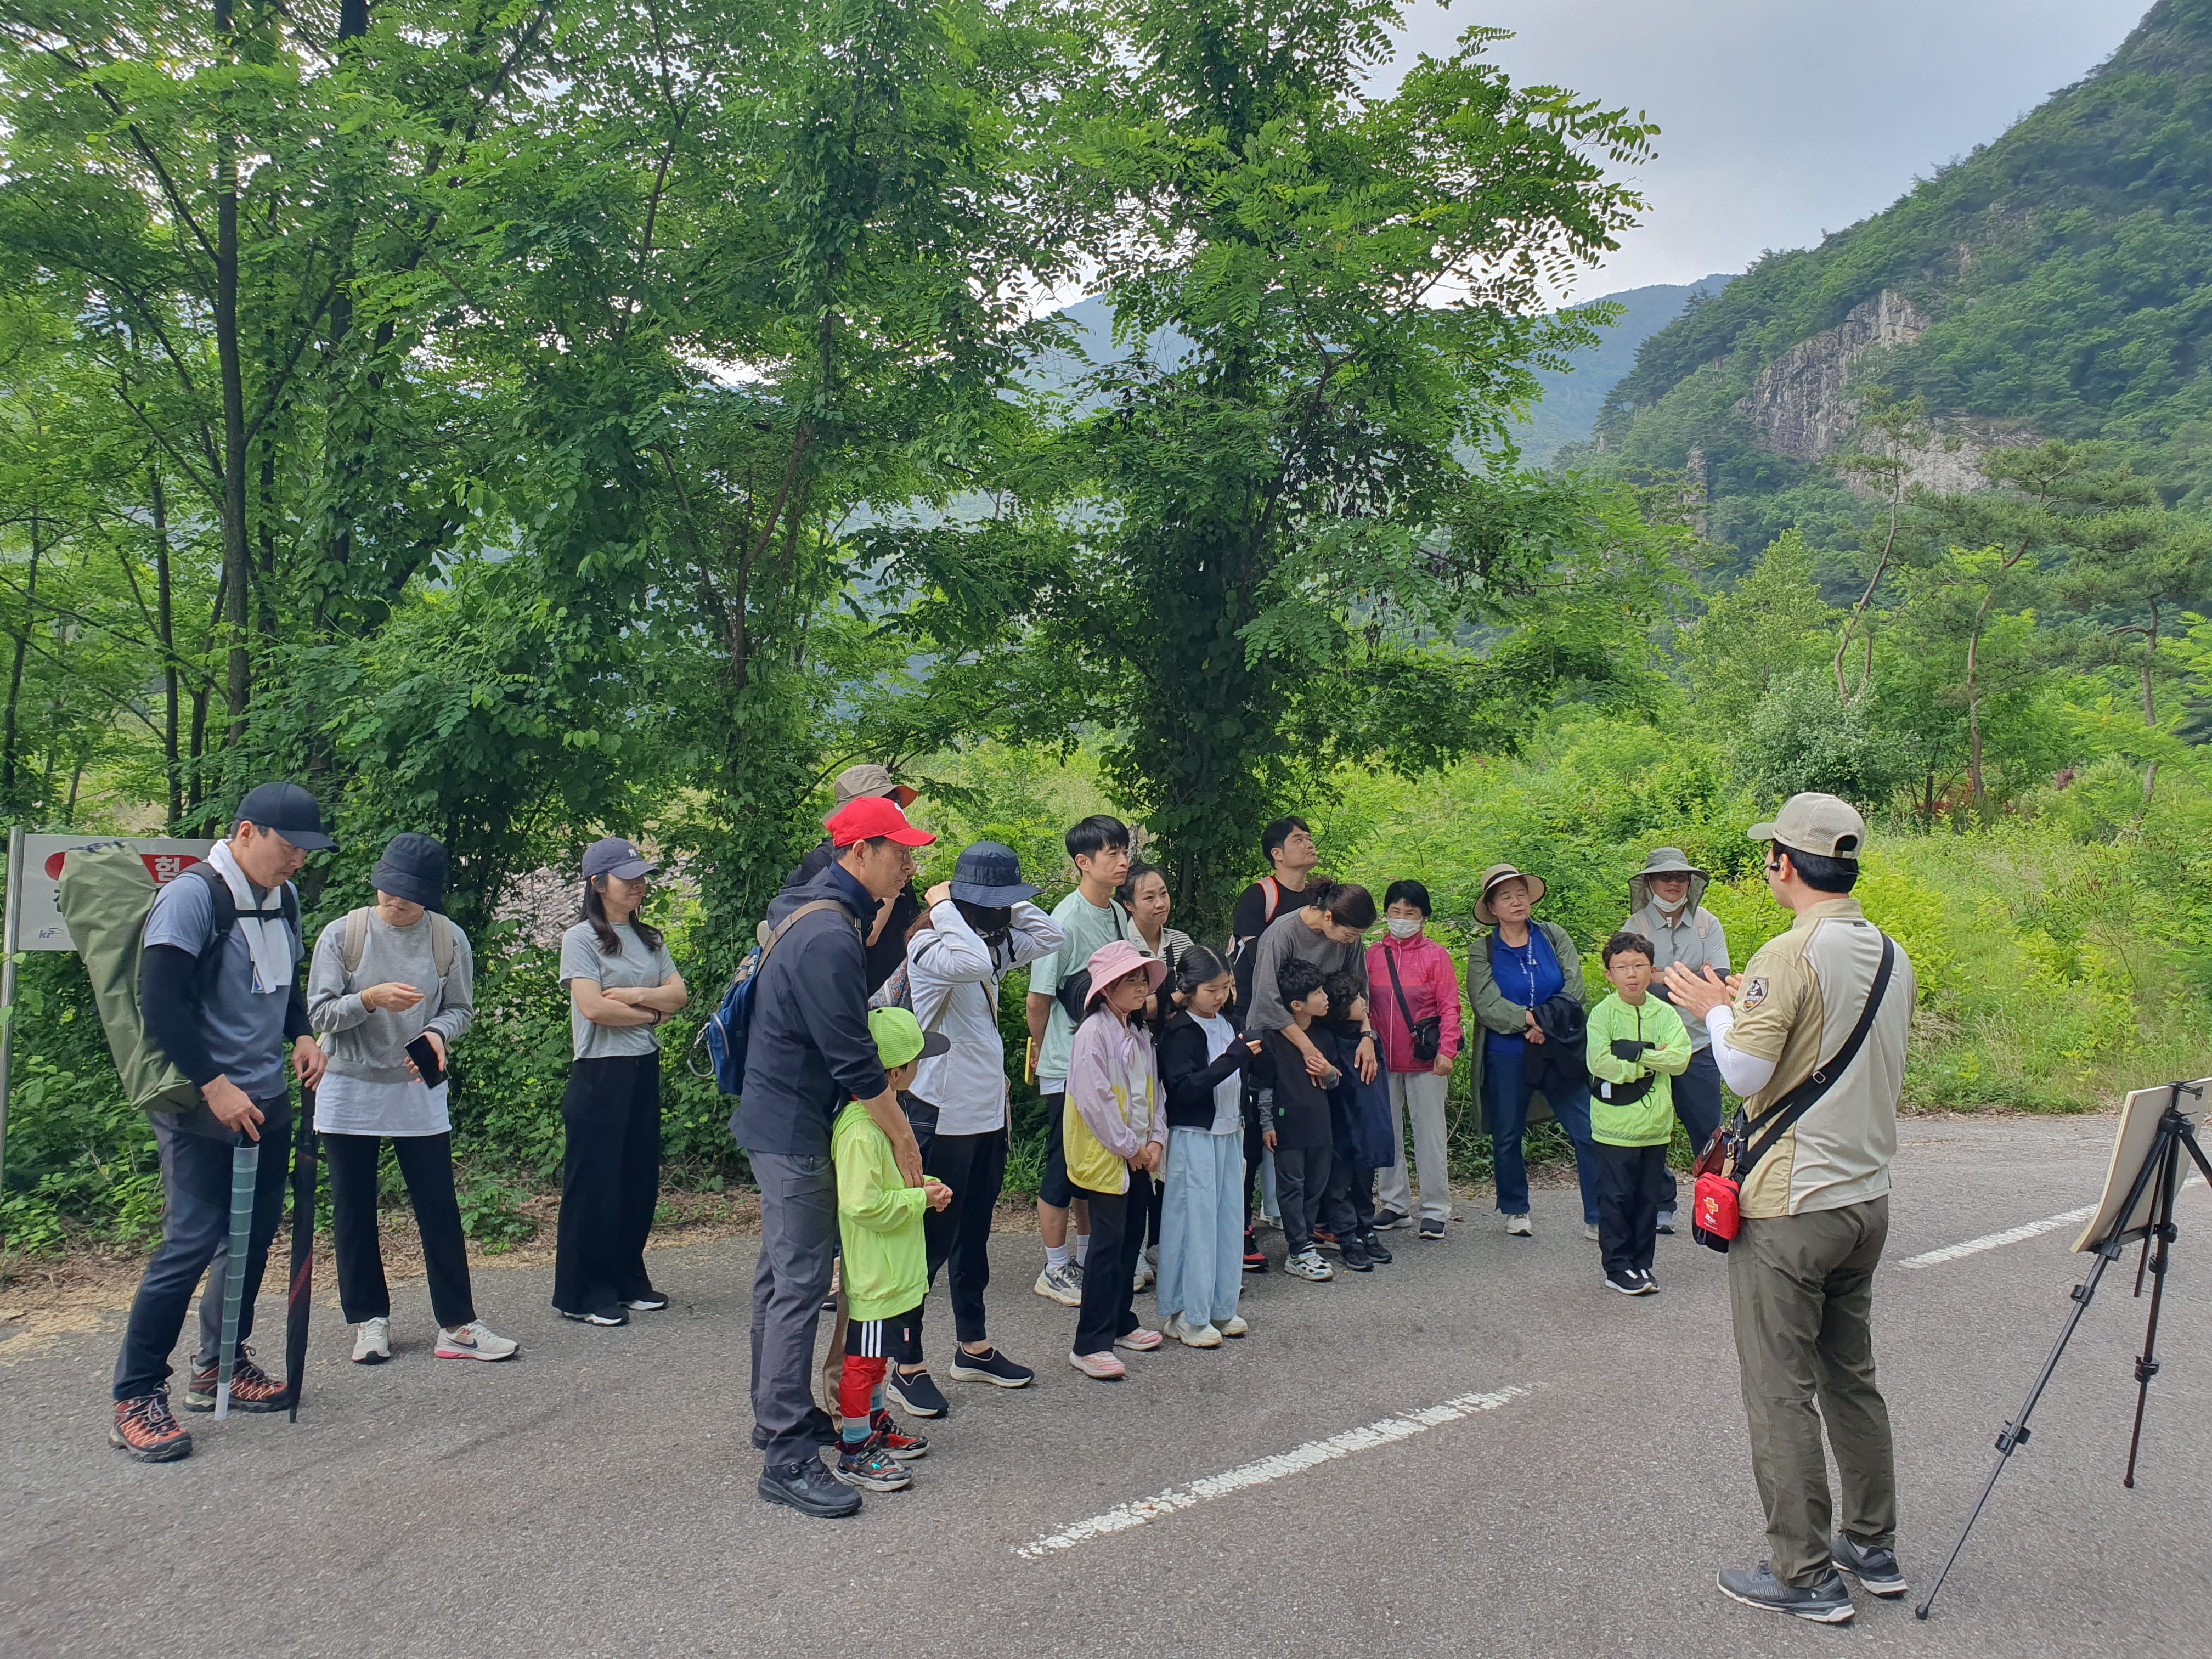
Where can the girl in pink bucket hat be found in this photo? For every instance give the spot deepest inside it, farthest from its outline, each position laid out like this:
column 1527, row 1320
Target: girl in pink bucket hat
column 1113, row 1122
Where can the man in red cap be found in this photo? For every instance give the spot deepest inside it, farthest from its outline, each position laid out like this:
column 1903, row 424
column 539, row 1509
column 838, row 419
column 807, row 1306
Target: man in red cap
column 809, row 1052
column 885, row 939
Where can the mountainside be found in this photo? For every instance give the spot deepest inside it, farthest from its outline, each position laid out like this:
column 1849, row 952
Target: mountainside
column 2057, row 282
column 1573, row 398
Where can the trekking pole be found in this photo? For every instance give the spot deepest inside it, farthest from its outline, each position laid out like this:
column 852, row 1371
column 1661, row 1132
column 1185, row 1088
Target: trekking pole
column 245, row 1171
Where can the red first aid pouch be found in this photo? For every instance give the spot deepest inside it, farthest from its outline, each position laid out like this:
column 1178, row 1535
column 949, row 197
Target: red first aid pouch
column 1714, row 1216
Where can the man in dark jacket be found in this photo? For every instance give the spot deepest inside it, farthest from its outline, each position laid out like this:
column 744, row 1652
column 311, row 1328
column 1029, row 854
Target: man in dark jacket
column 808, row 1052
column 883, row 934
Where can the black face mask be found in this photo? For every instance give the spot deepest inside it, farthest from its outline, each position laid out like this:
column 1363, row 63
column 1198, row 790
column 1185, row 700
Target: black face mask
column 993, row 925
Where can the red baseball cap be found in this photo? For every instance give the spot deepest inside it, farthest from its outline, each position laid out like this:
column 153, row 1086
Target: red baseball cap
column 872, row 816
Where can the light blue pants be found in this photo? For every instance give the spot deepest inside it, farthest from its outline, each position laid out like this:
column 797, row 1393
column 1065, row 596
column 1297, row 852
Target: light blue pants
column 1202, row 1226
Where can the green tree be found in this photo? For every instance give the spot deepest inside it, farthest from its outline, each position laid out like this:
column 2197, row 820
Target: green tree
column 1770, row 625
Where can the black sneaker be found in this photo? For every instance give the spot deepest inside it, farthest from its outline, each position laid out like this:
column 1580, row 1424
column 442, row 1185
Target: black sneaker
column 1356, row 1257
column 1626, row 1283
column 1388, row 1220
column 1432, row 1229
column 651, row 1302
column 1255, row 1259
column 1826, row 1603
column 1875, row 1567
column 989, row 1367
column 1372, row 1239
column 1651, row 1285
column 918, row 1391
column 809, row 1488
column 612, row 1314
column 819, row 1424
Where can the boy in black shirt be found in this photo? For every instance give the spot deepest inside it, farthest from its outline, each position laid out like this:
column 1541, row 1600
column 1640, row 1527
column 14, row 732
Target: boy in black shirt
column 1347, row 1205
column 1297, row 1129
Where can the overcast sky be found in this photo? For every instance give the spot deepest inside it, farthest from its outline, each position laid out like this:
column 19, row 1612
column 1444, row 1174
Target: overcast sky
column 1780, row 119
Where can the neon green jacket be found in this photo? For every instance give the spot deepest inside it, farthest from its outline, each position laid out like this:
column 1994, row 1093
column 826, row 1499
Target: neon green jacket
column 1648, row 1121
column 879, row 1220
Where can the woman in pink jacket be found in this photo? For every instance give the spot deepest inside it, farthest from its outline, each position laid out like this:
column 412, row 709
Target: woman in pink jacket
column 1413, row 1000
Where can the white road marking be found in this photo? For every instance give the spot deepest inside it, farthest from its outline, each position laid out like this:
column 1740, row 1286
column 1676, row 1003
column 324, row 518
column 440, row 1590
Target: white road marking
column 2049, row 1223
column 1382, row 1432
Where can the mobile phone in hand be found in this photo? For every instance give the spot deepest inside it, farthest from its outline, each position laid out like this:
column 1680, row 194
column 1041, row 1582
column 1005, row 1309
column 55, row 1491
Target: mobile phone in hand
column 425, row 1056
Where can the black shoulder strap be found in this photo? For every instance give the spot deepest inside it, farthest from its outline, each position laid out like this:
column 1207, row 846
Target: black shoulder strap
column 223, row 905
column 1390, row 961
column 1807, row 1094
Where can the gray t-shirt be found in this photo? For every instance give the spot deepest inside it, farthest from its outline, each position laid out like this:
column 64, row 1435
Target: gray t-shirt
column 1083, row 927
column 581, row 958
column 368, row 1089
column 244, row 1027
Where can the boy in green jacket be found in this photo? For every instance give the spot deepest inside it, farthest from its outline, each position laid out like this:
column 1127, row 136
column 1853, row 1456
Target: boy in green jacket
column 1637, row 1042
column 886, row 1264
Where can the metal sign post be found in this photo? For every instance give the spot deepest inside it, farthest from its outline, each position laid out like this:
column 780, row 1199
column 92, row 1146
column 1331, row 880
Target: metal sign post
column 7, row 935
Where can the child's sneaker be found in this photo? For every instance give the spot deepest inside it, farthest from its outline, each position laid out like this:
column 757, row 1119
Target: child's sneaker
column 1356, row 1257
column 1308, row 1264
column 870, row 1467
column 1626, row 1283
column 1255, row 1259
column 1372, row 1238
column 1060, row 1284
column 1324, row 1239
column 906, row 1448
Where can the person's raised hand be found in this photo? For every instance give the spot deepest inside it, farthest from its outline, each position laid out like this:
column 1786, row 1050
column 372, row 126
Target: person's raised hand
column 392, row 997
column 232, row 1108
column 936, row 894
column 1697, row 994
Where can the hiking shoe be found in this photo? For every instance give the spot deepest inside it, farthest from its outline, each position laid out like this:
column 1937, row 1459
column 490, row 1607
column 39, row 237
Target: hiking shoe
column 1308, row 1264
column 1517, row 1226
column 144, row 1429
column 475, row 1341
column 1667, row 1222
column 1101, row 1367
column 371, row 1342
column 918, row 1391
column 809, row 1488
column 1139, row 1340
column 1356, row 1257
column 1255, row 1259
column 1826, row 1603
column 819, row 1424
column 251, row 1389
column 651, row 1302
column 612, row 1314
column 990, row 1366
column 1324, row 1239
column 1372, row 1241
column 1875, row 1567
column 1433, row 1230
column 1235, row 1325
column 1060, row 1284
column 1389, row 1220
column 906, row 1448
column 1192, row 1336
column 1627, row 1284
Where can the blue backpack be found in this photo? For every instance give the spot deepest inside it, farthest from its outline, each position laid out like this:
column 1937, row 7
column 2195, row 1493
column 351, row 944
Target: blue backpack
column 727, row 1031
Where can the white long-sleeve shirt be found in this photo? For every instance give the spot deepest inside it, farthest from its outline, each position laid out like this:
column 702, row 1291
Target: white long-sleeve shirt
column 953, row 980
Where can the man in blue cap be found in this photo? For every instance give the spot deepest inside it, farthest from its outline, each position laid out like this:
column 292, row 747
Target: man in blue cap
column 219, row 990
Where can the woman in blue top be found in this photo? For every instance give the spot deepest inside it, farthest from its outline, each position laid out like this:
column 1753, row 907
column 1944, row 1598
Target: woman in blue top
column 1512, row 971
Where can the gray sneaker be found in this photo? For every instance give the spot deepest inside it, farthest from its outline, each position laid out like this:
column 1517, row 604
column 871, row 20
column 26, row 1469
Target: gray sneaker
column 1875, row 1567
column 1060, row 1284
column 1826, row 1603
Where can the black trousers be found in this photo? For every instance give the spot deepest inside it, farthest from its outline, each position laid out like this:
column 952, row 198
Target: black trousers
column 609, row 1181
column 426, row 1163
column 1348, row 1202
column 958, row 1237
column 1109, row 1274
column 1301, row 1184
column 1697, row 1104
column 1255, row 1148
column 1628, row 1188
column 1145, row 1208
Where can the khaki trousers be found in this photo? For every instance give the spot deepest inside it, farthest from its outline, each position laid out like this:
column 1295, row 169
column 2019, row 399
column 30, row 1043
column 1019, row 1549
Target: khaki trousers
column 1801, row 1289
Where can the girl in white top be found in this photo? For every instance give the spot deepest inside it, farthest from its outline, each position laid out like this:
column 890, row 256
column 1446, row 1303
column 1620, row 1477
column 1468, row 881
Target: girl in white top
column 1202, row 1219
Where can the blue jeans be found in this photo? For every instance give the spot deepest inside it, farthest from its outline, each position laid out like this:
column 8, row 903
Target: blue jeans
column 1505, row 1098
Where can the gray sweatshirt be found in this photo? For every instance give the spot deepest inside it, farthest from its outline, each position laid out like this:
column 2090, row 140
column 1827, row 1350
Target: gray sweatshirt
column 1288, row 936
column 366, row 1089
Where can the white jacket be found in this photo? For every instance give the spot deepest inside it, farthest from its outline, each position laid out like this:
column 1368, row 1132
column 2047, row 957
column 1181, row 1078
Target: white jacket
column 953, row 981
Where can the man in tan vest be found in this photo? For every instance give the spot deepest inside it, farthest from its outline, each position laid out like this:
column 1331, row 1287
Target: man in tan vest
column 1815, row 1208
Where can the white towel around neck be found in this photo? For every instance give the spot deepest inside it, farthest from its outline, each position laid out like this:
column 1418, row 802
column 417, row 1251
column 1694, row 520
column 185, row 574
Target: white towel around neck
column 262, row 922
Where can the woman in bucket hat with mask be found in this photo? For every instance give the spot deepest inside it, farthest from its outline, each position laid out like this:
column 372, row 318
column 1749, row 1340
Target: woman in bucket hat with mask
column 1663, row 906
column 384, row 977
column 982, row 926
column 1513, row 971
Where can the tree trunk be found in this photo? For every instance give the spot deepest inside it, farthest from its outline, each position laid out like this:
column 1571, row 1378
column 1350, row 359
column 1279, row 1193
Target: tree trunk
column 2150, row 700
column 165, row 621
column 235, row 566
column 8, row 736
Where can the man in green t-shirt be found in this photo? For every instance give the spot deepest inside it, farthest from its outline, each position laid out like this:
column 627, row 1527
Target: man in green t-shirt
column 1087, row 918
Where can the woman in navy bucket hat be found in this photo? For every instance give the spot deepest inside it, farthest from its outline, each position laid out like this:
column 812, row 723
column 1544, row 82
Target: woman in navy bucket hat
column 982, row 926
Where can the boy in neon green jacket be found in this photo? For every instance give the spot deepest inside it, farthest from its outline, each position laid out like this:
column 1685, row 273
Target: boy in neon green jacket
column 1637, row 1042
column 886, row 1271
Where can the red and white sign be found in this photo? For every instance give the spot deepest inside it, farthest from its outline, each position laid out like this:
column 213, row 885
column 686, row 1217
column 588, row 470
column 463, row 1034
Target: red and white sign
column 42, row 927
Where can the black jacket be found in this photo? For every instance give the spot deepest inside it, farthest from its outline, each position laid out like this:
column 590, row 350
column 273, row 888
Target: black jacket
column 1187, row 1077
column 809, row 1051
column 889, row 948
column 1560, row 1058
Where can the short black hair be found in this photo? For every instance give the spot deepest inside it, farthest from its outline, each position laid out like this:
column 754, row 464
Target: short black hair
column 1625, row 941
column 1296, row 980
column 1822, row 875
column 1273, row 837
column 1342, row 989
column 1095, row 835
column 1410, row 892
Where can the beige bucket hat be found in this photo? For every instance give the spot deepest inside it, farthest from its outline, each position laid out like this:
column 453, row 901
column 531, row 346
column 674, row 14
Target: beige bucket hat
column 1497, row 874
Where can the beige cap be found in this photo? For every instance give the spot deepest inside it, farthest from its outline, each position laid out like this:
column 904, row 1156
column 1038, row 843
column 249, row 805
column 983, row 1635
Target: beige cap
column 1819, row 824
column 858, row 782
column 1494, row 878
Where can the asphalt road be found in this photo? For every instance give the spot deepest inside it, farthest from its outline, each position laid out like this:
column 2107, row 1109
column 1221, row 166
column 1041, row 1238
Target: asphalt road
column 596, row 1496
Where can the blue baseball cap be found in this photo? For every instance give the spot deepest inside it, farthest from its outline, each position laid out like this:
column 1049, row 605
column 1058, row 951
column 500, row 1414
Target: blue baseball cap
column 614, row 856
column 287, row 810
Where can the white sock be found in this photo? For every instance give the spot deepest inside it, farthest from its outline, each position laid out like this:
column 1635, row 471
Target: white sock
column 1082, row 1247
column 1055, row 1255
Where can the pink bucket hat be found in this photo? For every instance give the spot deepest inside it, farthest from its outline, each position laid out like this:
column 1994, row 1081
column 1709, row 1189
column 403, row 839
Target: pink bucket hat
column 1111, row 961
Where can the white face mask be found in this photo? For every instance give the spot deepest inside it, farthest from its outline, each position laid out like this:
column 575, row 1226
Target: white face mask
column 1402, row 927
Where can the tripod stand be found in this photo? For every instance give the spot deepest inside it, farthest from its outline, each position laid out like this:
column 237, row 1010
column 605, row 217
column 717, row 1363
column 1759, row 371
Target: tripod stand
column 2160, row 1176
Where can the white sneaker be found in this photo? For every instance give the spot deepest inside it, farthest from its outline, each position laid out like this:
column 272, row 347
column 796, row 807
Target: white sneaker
column 1518, row 1226
column 1308, row 1264
column 371, row 1342
column 1060, row 1284
column 1589, row 1231
column 1204, row 1336
column 1235, row 1325
column 1143, row 1276
column 1267, row 1221
column 475, row 1341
